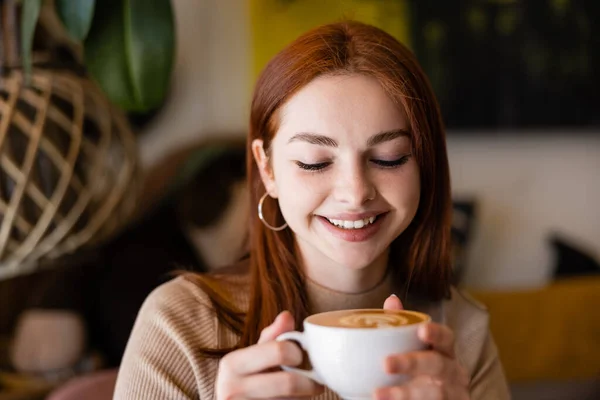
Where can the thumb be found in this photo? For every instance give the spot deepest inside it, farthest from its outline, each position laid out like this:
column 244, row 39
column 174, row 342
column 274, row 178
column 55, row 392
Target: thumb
column 283, row 323
column 393, row 303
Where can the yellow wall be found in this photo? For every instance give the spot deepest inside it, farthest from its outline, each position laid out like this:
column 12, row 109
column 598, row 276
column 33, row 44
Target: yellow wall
column 275, row 23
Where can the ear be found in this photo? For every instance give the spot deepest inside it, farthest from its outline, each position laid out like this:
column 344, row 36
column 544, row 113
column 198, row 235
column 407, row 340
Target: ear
column 264, row 167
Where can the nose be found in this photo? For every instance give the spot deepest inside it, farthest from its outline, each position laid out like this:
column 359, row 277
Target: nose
column 354, row 187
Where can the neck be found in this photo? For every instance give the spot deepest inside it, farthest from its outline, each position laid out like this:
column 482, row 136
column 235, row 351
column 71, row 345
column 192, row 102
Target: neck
column 340, row 278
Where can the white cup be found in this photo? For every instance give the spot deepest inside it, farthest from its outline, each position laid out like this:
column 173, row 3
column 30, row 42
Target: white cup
column 350, row 360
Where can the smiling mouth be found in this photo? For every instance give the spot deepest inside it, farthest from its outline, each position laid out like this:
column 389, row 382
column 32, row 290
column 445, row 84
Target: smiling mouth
column 358, row 224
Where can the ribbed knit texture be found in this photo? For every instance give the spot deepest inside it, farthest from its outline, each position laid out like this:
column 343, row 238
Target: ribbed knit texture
column 162, row 359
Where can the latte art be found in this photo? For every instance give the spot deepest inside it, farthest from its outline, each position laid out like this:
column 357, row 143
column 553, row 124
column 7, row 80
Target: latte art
column 367, row 318
column 372, row 320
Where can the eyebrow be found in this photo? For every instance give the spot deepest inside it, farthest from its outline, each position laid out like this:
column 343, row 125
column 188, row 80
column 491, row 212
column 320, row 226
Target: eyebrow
column 322, row 140
column 387, row 136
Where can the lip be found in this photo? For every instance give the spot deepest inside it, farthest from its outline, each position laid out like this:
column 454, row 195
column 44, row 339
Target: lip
column 354, row 235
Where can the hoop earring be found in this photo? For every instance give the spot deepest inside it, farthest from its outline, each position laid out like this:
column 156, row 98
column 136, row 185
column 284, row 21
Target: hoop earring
column 262, row 218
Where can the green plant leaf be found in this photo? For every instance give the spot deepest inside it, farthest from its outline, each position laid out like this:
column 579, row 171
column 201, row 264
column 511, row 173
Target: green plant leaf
column 29, row 18
column 76, row 15
column 105, row 57
column 150, row 46
column 129, row 51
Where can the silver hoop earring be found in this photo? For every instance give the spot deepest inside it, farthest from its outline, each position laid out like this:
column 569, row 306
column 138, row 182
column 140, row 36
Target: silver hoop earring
column 262, row 218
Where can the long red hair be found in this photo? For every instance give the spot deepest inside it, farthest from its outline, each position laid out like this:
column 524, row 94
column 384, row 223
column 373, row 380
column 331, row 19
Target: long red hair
column 420, row 256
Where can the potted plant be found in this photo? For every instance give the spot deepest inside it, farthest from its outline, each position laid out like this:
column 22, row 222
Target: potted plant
column 128, row 45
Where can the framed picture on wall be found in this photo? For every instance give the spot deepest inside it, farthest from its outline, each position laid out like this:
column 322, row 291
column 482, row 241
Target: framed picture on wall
column 511, row 64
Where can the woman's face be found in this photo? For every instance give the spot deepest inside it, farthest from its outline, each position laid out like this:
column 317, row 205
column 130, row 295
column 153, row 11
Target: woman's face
column 342, row 169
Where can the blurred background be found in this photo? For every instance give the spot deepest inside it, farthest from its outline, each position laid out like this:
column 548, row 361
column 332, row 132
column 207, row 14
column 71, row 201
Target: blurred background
column 122, row 159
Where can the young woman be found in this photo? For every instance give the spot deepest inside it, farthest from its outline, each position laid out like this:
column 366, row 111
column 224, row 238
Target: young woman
column 348, row 172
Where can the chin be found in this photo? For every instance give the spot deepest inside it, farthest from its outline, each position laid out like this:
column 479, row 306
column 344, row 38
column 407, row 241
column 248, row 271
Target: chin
column 354, row 260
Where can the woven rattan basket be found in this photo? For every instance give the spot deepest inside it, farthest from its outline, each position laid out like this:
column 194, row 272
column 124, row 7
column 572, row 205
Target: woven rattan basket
column 68, row 170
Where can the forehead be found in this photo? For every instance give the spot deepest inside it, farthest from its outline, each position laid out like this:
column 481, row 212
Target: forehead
column 341, row 106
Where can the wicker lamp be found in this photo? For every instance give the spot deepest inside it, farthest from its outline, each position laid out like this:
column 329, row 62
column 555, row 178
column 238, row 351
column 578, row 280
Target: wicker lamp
column 68, row 165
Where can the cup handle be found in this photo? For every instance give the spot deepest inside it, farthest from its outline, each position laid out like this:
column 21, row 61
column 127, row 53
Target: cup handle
column 299, row 337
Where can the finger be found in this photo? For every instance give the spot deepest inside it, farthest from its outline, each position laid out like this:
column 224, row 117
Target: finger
column 393, row 303
column 278, row 384
column 283, row 323
column 261, row 357
column 428, row 363
column 422, row 390
column 440, row 337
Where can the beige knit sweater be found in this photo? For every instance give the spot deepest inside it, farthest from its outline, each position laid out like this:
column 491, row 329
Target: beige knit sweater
column 161, row 360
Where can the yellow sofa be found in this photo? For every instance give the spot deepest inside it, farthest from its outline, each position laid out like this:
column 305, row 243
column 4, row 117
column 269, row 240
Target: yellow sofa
column 547, row 334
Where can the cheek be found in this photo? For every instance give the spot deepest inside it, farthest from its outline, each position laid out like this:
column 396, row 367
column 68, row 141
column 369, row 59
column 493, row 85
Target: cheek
column 403, row 189
column 298, row 193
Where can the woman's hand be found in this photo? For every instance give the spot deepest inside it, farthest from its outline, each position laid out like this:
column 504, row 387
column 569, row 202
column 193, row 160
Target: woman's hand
column 248, row 373
column 435, row 373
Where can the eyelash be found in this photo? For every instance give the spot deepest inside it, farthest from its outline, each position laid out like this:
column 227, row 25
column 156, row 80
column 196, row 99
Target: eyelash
column 380, row 163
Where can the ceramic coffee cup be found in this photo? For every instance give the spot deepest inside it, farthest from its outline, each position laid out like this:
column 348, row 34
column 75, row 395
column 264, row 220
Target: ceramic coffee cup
column 347, row 349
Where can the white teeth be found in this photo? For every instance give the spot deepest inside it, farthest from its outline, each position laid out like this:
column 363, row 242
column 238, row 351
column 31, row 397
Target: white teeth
column 358, row 224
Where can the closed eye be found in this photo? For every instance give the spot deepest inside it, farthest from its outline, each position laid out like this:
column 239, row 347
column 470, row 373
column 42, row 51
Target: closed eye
column 393, row 163
column 380, row 163
column 312, row 167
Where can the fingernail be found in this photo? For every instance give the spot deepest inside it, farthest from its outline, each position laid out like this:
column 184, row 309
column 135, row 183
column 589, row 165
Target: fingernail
column 422, row 333
column 281, row 314
column 382, row 394
column 390, row 394
column 394, row 294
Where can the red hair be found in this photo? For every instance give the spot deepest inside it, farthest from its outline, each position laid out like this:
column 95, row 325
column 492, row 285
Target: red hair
column 420, row 256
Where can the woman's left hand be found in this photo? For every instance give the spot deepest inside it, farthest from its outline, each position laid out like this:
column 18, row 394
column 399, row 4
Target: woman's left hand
column 435, row 373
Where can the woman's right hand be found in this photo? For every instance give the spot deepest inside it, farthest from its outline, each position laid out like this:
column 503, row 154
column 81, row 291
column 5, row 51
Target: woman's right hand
column 247, row 373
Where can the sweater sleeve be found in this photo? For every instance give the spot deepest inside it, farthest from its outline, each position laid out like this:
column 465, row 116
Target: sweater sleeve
column 475, row 347
column 161, row 360
column 489, row 382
